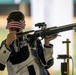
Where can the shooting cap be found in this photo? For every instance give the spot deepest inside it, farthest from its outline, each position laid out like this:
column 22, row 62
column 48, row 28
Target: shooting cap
column 15, row 19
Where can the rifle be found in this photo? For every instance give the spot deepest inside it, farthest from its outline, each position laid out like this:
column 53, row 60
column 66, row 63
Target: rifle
column 44, row 31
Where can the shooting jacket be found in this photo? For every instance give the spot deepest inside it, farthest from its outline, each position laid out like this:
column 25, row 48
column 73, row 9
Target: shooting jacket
column 23, row 62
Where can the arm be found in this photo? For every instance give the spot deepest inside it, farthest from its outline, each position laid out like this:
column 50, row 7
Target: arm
column 48, row 55
column 5, row 49
column 48, row 50
column 4, row 55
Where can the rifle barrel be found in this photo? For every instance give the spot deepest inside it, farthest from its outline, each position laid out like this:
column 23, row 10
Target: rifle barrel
column 59, row 29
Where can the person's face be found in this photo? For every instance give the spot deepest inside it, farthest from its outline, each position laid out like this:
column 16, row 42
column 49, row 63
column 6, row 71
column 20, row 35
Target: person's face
column 16, row 30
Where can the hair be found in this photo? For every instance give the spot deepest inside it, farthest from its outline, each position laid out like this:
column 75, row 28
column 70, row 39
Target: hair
column 15, row 15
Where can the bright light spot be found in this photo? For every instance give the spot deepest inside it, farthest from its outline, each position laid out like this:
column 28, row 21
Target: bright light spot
column 17, row 1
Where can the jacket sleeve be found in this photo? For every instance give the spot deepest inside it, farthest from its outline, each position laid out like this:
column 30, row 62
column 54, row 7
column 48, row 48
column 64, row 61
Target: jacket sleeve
column 4, row 55
column 48, row 55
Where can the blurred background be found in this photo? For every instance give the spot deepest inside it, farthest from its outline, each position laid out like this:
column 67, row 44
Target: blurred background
column 53, row 13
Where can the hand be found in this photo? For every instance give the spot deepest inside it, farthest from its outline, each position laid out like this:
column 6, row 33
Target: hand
column 10, row 38
column 48, row 39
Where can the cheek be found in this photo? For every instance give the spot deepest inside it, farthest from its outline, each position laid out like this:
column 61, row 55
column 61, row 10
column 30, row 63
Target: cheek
column 12, row 31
